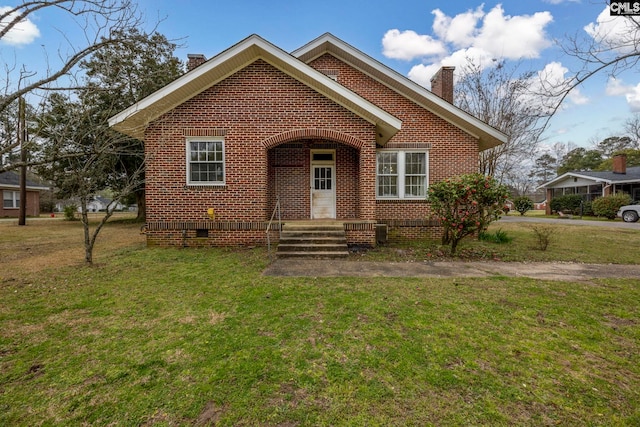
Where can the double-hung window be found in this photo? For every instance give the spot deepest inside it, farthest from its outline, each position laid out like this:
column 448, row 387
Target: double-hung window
column 10, row 199
column 205, row 161
column 401, row 174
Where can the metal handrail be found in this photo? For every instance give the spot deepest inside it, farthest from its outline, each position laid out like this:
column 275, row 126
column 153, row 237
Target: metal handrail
column 276, row 209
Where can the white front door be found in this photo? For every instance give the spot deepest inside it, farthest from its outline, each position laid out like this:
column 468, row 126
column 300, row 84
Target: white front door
column 323, row 188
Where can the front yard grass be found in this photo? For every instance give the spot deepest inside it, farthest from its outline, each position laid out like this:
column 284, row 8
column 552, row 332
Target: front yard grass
column 569, row 243
column 165, row 337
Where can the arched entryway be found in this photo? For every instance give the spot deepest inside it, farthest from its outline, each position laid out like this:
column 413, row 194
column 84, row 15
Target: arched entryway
column 315, row 175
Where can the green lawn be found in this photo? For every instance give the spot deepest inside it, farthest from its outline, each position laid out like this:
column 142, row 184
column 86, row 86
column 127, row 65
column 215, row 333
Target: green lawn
column 568, row 243
column 165, row 337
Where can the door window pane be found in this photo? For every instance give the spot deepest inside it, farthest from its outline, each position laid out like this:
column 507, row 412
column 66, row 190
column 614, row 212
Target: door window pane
column 322, row 157
column 322, row 178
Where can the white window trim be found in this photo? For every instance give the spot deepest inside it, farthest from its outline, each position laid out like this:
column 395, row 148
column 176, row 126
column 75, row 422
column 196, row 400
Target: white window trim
column 402, row 175
column 191, row 139
column 15, row 198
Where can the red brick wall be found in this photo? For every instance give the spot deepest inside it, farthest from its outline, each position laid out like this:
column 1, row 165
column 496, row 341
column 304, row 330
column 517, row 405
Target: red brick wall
column 249, row 108
column 33, row 205
column 289, row 179
column 270, row 122
column 451, row 152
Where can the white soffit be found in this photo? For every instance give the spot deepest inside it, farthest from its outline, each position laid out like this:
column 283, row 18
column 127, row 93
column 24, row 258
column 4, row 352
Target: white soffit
column 569, row 175
column 134, row 119
column 328, row 43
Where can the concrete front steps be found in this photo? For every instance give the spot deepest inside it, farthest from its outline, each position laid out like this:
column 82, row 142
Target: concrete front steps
column 312, row 239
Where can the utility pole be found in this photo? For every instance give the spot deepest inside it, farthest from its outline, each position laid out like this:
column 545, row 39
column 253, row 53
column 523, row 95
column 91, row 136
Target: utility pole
column 22, row 139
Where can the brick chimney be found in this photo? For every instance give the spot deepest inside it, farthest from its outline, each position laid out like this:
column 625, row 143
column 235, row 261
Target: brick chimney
column 195, row 60
column 620, row 163
column 442, row 83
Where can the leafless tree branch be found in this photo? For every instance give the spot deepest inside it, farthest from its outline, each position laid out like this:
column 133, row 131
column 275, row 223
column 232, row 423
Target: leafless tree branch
column 611, row 46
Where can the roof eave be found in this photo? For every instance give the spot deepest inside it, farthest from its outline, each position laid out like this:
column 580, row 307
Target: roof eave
column 28, row 187
column 576, row 175
column 134, row 119
column 487, row 136
column 625, row 181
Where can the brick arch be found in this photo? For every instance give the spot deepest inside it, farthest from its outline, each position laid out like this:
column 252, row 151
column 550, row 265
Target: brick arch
column 312, row 133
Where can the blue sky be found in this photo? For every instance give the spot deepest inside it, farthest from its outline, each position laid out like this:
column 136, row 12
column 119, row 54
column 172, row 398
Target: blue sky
column 414, row 37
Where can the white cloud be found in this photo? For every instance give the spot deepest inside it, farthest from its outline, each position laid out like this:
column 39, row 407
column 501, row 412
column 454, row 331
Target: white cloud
column 553, row 78
column 633, row 99
column 514, row 37
column 476, row 35
column 577, row 97
column 23, row 33
column 408, row 45
column 614, row 32
column 459, row 30
column 616, row 87
column 422, row 73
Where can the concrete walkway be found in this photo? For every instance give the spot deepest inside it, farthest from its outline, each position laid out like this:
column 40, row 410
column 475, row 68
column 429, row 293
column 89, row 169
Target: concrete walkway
column 542, row 271
column 570, row 221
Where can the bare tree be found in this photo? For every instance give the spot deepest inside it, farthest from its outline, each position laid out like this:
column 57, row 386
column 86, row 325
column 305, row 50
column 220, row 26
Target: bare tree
column 632, row 129
column 611, row 45
column 84, row 158
column 521, row 183
column 102, row 23
column 505, row 102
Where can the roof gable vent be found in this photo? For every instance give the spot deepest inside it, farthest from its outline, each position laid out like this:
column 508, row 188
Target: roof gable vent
column 332, row 74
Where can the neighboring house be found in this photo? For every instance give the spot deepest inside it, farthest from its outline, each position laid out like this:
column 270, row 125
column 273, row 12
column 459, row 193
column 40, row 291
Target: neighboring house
column 10, row 194
column 329, row 132
column 540, row 206
column 99, row 203
column 508, row 204
column 591, row 185
column 536, row 205
column 96, row 204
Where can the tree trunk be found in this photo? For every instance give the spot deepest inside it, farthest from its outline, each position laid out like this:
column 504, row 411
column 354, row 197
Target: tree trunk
column 90, row 237
column 446, row 236
column 142, row 205
column 88, row 246
column 454, row 245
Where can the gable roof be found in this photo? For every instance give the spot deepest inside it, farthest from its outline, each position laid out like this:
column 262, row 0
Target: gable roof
column 134, row 119
column 10, row 179
column 608, row 177
column 487, row 135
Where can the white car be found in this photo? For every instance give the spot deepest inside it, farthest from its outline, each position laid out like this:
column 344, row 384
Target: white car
column 629, row 213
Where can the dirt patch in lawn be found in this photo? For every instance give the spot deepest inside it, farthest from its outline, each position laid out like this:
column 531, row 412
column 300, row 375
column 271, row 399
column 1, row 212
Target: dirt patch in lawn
column 49, row 243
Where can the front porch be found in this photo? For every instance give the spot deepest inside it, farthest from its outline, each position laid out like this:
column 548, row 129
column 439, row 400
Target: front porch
column 319, row 179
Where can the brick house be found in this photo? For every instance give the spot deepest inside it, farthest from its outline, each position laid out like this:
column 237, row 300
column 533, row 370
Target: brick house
column 593, row 184
column 327, row 130
column 10, row 194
